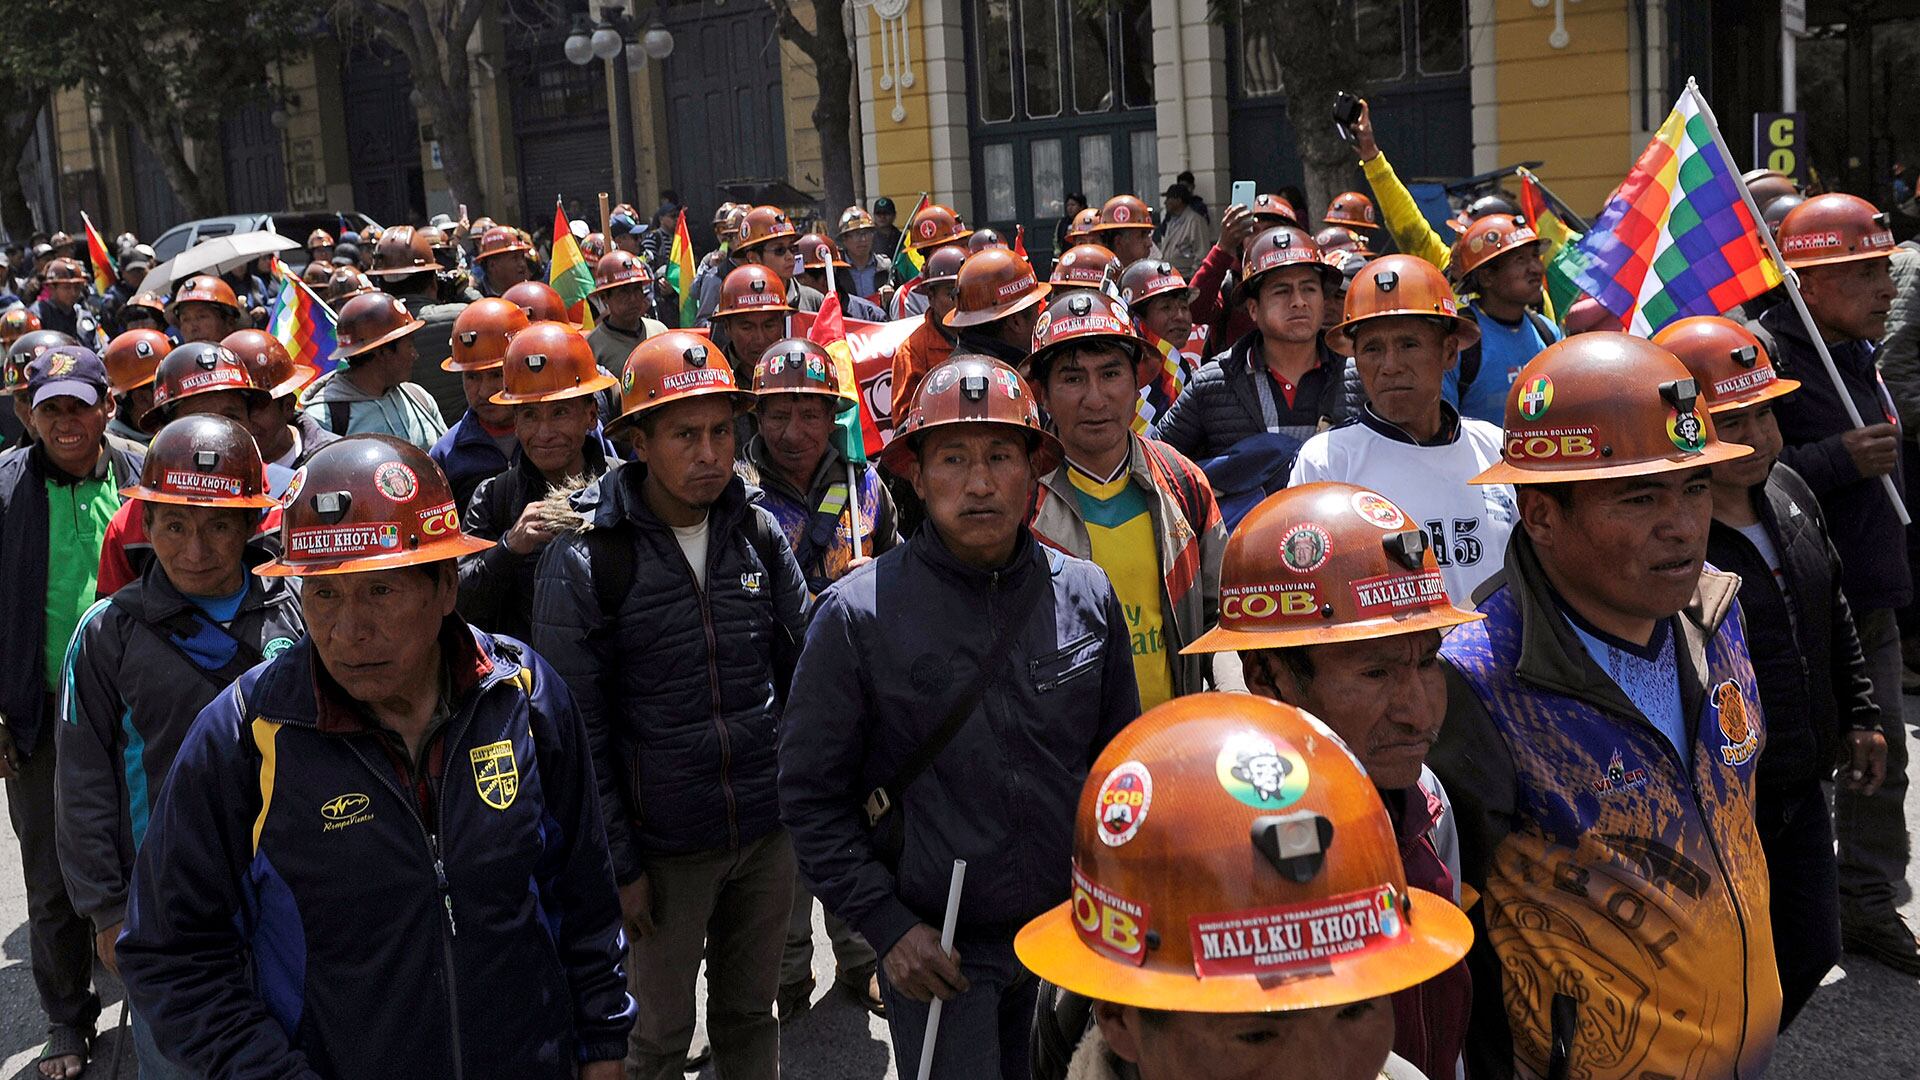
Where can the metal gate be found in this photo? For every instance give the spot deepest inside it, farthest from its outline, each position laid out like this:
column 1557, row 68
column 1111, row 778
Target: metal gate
column 255, row 166
column 564, row 142
column 383, row 135
column 726, row 112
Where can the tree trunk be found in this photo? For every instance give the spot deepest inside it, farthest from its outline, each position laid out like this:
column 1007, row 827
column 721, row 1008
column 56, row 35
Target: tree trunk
column 19, row 110
column 450, row 111
column 202, row 190
column 832, row 110
column 1318, row 58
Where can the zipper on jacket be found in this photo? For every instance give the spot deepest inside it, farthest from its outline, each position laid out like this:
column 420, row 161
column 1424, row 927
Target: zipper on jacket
column 713, row 692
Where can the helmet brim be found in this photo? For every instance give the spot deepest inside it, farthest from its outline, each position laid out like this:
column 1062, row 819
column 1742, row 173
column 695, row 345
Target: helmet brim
column 1778, row 388
column 1046, row 449
column 961, row 319
column 348, row 352
column 1831, row 260
column 844, row 403
column 1715, row 452
column 1438, row 935
column 592, row 386
column 403, row 271
column 1340, row 336
column 262, row 501
column 743, row 402
column 439, row 551
column 1223, row 639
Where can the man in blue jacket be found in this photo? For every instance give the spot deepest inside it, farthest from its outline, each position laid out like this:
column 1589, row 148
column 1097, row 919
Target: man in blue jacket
column 992, row 671
column 56, row 496
column 379, row 853
column 675, row 615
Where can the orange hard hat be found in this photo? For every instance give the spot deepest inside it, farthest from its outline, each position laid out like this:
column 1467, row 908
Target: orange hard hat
column 1834, row 228
column 1080, row 229
column 499, row 240
column 994, row 284
column 1352, row 209
column 549, row 361
column 268, row 363
column 1276, row 208
column 751, row 289
column 1338, row 240
column 676, row 366
column 540, row 301
column 816, row 249
column 943, row 266
column 404, row 250
column 133, row 357
column 854, row 218
column 203, row 460
column 619, row 269
column 972, row 389
column 15, row 323
column 1402, row 285
column 1082, row 318
column 204, row 289
column 369, row 321
column 149, row 300
column 316, row 274
column 64, row 271
column 1231, row 856
column 761, row 224
column 798, row 366
column 1278, row 248
column 1726, row 359
column 1124, row 212
column 1084, row 266
column 319, row 238
column 934, row 225
column 1323, row 563
column 346, row 283
column 1602, row 406
column 1148, row 278
column 723, row 214
column 367, row 502
column 1488, row 238
column 196, row 368
column 481, row 333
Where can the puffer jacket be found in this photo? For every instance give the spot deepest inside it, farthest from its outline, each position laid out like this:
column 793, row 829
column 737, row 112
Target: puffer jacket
column 140, row 667
column 311, row 903
column 1622, row 928
column 891, row 648
column 496, row 586
column 1221, row 406
column 1806, row 655
column 680, row 686
column 468, row 455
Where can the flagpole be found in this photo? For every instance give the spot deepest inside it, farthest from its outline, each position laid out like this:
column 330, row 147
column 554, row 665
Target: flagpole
column 1791, row 280
column 853, row 477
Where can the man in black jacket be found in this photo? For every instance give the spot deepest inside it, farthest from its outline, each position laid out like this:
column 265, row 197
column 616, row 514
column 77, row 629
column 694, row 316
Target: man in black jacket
column 997, row 666
column 1840, row 245
column 1814, row 690
column 674, row 615
column 56, row 496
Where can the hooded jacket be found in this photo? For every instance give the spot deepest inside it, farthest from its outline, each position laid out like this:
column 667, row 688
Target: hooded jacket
column 139, row 669
column 891, row 647
column 925, row 349
column 305, row 905
column 681, row 687
column 406, row 412
column 1623, row 894
column 24, row 509
column 467, row 454
column 496, row 585
column 1189, row 537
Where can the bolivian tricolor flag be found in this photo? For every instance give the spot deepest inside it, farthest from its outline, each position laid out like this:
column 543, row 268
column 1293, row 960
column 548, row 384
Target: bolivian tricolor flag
column 104, row 270
column 907, row 262
column 680, row 269
column 569, row 274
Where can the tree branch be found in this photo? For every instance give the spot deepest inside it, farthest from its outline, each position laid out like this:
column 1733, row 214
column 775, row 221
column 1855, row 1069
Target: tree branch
column 792, row 28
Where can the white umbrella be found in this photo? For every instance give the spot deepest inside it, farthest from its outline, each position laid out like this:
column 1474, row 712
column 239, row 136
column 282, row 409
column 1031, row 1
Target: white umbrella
column 216, row 256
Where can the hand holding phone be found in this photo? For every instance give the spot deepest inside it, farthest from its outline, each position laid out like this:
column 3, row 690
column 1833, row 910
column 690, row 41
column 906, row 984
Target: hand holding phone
column 1243, row 193
column 1346, row 113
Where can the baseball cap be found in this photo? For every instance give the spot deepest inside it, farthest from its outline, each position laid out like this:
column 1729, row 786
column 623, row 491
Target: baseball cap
column 620, row 223
column 66, row 371
column 883, row 205
column 1178, row 191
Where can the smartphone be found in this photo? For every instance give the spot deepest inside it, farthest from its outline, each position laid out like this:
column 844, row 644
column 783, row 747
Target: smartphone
column 1346, row 113
column 1243, row 193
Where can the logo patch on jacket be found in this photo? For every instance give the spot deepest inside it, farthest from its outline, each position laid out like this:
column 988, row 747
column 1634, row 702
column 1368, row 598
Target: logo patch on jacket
column 496, row 776
column 344, row 810
column 1618, row 777
column 750, row 583
column 1730, row 708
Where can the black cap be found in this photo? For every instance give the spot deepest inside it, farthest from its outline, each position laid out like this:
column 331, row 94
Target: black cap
column 1178, row 191
column 883, row 205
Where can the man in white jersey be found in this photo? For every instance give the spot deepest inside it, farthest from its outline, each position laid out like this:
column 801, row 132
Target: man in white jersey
column 1404, row 330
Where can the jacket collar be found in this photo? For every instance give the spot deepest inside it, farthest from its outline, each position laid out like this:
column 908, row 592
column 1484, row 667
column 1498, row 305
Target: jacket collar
column 928, row 546
column 102, row 466
column 1552, row 657
column 154, row 596
column 832, row 468
column 616, row 497
column 1448, row 435
column 536, row 483
column 295, row 689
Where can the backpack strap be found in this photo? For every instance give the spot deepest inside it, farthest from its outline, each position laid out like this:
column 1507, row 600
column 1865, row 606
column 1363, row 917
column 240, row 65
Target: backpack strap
column 1186, row 485
column 611, row 564
column 339, row 416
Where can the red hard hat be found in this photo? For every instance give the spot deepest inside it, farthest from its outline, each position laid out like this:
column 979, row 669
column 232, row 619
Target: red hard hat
column 25, row 350
column 619, row 269
column 1276, row 207
column 1148, row 278
column 798, row 366
column 404, row 250
column 762, row 224
column 943, row 266
column 1352, row 209
column 1278, row 248
column 368, row 502
column 816, row 249
column 481, row 333
column 345, row 284
column 64, row 272
column 369, row 321
column 203, row 461
column 751, row 289
column 678, row 365
column 540, row 301
column 499, row 240
column 994, row 284
column 1083, row 266
column 204, row 289
column 267, row 361
column 1124, row 212
column 1082, row 318
column 15, row 323
column 972, row 389
column 133, row 357
column 549, row 361
column 193, row 369
column 1729, row 362
column 1834, row 228
column 1080, row 229
column 934, row 225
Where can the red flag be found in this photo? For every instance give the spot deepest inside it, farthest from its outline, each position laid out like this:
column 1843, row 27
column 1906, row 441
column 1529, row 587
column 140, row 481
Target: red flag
column 1020, row 241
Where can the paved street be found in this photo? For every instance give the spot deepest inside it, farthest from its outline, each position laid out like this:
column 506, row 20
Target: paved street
column 1860, row 1027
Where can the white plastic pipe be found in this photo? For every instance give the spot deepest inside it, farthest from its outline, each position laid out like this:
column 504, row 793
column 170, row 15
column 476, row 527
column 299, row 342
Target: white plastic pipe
column 946, row 946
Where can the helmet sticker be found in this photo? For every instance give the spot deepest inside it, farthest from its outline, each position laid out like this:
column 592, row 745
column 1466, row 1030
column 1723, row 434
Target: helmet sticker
column 1108, row 923
column 184, row 482
column 1687, row 431
column 1304, row 548
column 1296, row 938
column 1122, row 804
column 1391, row 594
column 1377, row 510
column 1535, row 397
column 396, row 481
column 1266, row 774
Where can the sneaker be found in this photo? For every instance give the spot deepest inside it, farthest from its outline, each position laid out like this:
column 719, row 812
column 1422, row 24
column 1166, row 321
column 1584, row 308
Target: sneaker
column 794, row 1000
column 1889, row 941
column 865, row 989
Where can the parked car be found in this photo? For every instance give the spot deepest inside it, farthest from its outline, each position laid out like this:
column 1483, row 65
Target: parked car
column 293, row 224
